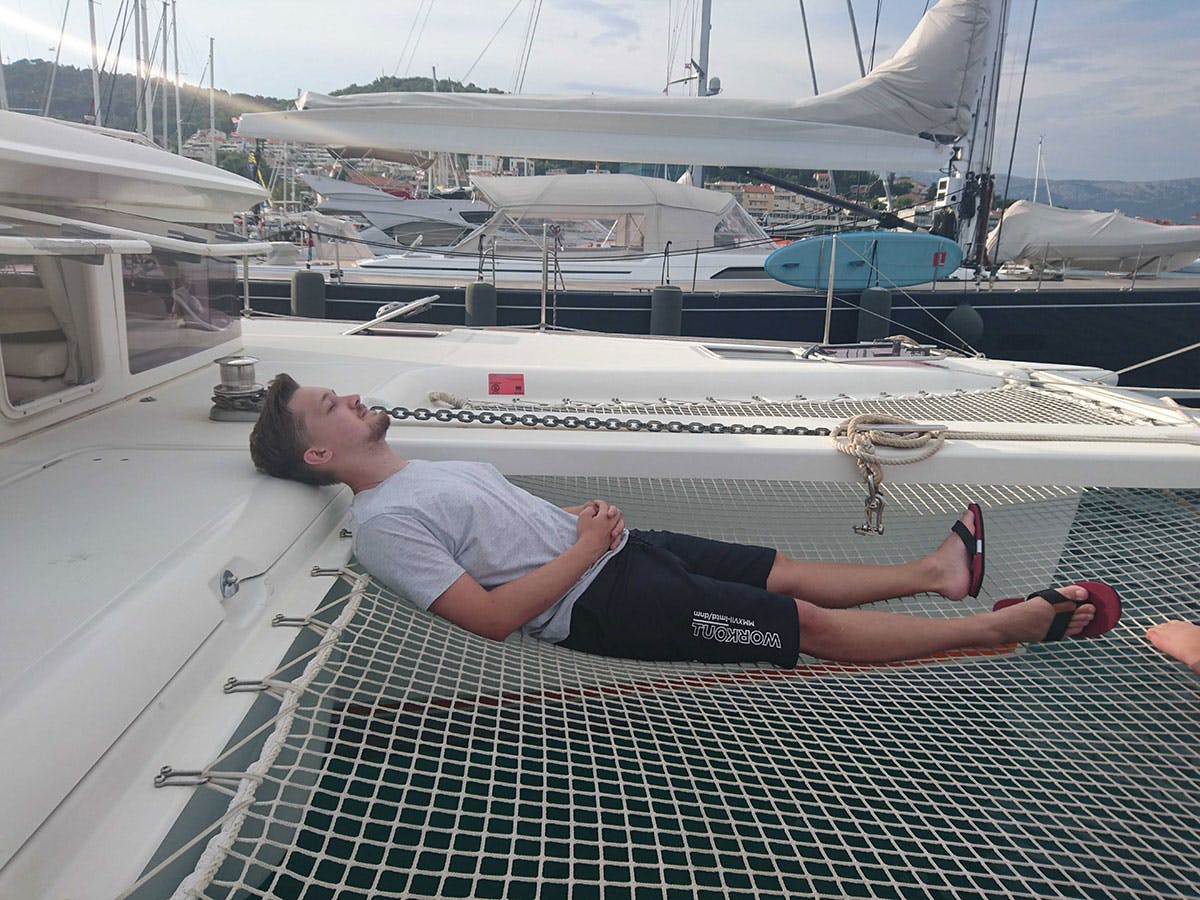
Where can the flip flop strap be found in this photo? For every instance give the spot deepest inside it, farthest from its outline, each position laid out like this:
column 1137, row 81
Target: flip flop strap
column 968, row 539
column 1058, row 628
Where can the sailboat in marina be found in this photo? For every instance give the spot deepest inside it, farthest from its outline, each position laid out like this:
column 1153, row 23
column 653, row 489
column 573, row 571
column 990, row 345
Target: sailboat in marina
column 930, row 107
column 203, row 695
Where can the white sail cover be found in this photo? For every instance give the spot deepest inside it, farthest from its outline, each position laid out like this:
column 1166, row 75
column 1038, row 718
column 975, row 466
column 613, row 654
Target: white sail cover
column 1085, row 239
column 887, row 120
column 46, row 163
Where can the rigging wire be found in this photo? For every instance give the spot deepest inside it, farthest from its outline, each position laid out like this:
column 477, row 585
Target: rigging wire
column 674, row 31
column 149, row 92
column 812, row 65
column 491, row 40
column 875, row 35
column 124, row 30
column 1017, row 123
column 410, row 45
column 416, row 43
column 535, row 15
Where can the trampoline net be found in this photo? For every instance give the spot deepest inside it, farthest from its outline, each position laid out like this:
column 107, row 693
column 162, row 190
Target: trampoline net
column 417, row 760
column 1009, row 403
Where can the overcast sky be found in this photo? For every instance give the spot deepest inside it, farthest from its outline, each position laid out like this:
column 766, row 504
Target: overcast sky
column 1113, row 86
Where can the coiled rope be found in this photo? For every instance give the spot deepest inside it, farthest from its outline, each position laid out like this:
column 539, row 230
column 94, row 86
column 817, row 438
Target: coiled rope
column 857, row 438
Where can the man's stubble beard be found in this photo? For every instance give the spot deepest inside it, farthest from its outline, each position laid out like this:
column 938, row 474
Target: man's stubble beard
column 380, row 426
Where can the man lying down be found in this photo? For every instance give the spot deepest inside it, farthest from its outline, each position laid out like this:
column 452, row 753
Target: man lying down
column 459, row 540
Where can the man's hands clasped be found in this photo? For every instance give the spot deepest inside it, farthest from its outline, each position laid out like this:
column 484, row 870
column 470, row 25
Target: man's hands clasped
column 599, row 527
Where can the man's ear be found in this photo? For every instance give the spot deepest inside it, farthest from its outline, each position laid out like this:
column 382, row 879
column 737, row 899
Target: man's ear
column 317, row 456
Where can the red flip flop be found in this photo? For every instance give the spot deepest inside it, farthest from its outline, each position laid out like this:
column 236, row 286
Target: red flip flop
column 974, row 545
column 1100, row 595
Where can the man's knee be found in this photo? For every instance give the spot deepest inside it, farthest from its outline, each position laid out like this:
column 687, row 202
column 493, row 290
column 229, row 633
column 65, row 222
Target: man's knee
column 813, row 621
column 779, row 579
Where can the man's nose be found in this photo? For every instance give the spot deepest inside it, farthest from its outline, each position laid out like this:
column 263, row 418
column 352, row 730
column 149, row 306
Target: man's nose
column 352, row 400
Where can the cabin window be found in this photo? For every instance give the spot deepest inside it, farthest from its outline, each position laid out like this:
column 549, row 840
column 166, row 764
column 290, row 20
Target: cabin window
column 46, row 333
column 177, row 305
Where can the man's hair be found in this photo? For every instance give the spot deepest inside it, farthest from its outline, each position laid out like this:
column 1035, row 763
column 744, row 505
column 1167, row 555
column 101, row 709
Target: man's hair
column 278, row 441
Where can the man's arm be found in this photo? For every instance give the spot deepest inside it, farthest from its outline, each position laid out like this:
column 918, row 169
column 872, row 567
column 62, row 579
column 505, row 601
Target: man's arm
column 498, row 612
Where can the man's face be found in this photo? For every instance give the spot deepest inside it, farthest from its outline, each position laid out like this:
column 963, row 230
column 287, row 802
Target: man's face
column 338, row 424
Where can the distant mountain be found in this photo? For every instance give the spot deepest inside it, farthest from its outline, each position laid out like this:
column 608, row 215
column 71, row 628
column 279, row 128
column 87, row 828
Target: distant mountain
column 1177, row 200
column 28, row 79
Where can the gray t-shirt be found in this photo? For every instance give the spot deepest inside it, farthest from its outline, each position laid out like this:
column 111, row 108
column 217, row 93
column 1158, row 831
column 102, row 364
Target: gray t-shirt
column 420, row 529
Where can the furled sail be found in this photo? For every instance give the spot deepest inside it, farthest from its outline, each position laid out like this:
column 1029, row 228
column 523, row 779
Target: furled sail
column 894, row 118
column 1084, row 239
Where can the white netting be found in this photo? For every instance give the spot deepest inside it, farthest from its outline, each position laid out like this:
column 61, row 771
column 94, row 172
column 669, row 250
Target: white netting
column 1009, row 403
column 423, row 761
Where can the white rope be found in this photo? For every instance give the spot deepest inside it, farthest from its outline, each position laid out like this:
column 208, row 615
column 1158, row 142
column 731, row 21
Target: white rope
column 219, row 846
column 856, row 438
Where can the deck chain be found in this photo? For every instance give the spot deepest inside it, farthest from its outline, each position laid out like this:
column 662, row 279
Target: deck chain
column 594, row 423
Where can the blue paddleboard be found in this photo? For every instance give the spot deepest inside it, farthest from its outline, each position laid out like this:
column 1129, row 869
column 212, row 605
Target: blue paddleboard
column 865, row 259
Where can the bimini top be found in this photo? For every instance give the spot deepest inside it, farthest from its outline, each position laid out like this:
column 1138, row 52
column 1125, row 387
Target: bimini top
column 546, row 194
column 632, row 213
column 1086, row 239
column 47, row 163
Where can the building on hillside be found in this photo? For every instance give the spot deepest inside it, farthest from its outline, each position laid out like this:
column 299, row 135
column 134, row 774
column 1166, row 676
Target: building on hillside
column 759, row 200
column 733, row 188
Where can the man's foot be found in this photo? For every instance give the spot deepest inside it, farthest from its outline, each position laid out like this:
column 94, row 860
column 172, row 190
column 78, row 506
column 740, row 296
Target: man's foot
column 1178, row 639
column 1031, row 619
column 950, row 567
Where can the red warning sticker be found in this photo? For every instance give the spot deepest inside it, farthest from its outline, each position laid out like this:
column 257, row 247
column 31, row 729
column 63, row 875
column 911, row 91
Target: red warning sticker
column 506, row 383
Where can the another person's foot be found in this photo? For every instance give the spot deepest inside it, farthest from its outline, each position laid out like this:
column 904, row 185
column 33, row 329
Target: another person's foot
column 1031, row 620
column 950, row 566
column 1178, row 639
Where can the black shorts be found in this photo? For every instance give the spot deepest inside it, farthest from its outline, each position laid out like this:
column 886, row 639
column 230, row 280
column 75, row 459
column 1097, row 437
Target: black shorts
column 673, row 597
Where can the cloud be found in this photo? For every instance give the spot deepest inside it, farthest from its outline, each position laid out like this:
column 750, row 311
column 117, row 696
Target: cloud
column 615, row 22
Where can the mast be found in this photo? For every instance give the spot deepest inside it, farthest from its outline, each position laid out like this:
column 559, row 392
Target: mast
column 95, row 64
column 976, row 182
column 862, row 72
column 137, row 51
column 162, row 84
column 3, row 87
column 702, row 83
column 57, row 53
column 178, row 123
column 212, row 107
column 1037, row 170
column 149, row 104
column 812, row 66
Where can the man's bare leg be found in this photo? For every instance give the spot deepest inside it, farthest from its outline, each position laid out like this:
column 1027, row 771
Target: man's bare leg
column 836, row 585
column 867, row 636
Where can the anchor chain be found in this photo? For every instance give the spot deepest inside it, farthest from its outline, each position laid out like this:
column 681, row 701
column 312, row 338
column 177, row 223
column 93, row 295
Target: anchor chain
column 594, row 423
